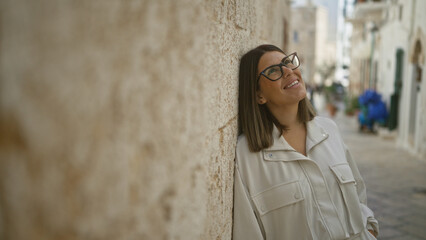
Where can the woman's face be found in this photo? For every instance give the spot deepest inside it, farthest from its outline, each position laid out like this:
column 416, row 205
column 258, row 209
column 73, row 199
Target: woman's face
column 288, row 90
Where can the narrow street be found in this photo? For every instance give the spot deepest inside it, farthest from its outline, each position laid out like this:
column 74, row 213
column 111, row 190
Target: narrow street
column 395, row 179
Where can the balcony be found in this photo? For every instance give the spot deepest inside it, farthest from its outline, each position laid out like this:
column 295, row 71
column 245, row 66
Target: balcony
column 368, row 11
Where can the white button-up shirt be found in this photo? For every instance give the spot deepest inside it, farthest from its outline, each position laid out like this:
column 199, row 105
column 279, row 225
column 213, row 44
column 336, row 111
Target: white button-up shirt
column 281, row 194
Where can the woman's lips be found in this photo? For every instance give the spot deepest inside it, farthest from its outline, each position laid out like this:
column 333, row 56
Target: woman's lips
column 293, row 83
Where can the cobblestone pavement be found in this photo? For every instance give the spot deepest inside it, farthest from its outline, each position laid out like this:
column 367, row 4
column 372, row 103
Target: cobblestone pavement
column 395, row 179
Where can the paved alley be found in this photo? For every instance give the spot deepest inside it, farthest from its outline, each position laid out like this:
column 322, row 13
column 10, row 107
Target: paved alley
column 395, row 179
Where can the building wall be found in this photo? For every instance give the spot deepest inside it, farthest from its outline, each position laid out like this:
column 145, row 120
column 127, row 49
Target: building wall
column 309, row 22
column 118, row 119
column 321, row 31
column 325, row 49
column 365, row 44
column 416, row 143
column 357, row 53
column 303, row 23
column 420, row 28
column 393, row 35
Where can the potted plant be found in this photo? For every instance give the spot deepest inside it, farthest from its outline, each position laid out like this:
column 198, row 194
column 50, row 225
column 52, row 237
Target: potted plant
column 351, row 105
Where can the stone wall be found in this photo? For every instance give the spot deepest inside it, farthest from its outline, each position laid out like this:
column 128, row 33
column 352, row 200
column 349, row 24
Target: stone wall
column 118, row 119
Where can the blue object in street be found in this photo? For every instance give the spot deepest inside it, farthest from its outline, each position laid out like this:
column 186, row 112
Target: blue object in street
column 373, row 109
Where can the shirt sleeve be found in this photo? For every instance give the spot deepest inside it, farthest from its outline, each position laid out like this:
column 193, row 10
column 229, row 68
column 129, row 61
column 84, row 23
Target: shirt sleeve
column 367, row 213
column 245, row 225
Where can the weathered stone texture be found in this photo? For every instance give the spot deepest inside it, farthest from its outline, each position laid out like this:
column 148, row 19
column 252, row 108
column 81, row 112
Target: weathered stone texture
column 118, row 119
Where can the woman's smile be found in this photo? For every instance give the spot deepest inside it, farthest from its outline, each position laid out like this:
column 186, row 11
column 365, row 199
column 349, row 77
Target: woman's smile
column 293, row 84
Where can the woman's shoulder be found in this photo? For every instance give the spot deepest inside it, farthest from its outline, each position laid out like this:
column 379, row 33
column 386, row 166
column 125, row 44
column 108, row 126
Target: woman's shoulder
column 242, row 143
column 325, row 123
column 242, row 149
column 329, row 126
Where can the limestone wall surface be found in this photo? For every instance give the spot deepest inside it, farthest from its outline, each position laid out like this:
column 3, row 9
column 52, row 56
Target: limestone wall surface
column 118, row 119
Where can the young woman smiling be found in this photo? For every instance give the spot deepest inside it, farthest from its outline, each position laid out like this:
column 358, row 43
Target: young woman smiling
column 294, row 177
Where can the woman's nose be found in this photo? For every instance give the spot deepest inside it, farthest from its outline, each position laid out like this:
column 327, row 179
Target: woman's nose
column 286, row 70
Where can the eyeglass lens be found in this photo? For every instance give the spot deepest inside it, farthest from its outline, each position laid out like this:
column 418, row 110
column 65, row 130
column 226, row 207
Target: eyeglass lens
column 275, row 72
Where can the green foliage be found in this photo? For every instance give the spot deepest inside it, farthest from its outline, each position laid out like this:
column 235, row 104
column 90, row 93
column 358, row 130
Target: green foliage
column 329, row 92
column 334, row 93
column 351, row 105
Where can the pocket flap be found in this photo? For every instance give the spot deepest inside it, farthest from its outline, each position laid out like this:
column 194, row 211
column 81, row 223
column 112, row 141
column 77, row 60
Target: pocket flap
column 278, row 196
column 343, row 173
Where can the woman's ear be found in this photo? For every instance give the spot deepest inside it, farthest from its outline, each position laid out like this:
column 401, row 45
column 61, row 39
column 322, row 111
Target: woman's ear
column 260, row 98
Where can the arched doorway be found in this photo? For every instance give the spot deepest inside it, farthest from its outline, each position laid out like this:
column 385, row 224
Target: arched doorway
column 415, row 92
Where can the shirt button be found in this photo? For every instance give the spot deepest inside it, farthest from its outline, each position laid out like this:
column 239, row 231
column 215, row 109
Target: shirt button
column 296, row 195
column 324, row 134
column 270, row 155
column 343, row 178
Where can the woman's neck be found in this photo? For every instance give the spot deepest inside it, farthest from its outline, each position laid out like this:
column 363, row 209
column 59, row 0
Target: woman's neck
column 287, row 115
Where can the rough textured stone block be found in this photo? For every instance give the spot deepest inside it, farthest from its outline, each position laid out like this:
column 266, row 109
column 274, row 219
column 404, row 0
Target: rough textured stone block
column 118, row 119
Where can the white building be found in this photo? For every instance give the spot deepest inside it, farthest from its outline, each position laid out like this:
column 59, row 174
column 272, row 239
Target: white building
column 412, row 111
column 388, row 54
column 366, row 20
column 343, row 45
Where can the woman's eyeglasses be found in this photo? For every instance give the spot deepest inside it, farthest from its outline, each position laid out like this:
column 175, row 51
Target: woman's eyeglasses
column 275, row 72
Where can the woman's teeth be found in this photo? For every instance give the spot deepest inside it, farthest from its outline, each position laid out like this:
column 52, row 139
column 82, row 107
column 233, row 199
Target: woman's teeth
column 292, row 84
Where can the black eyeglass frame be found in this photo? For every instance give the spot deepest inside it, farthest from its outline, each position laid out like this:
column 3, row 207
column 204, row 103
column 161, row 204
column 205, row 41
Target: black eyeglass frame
column 280, row 65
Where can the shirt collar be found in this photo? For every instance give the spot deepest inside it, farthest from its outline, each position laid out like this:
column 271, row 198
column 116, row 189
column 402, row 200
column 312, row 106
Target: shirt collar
column 315, row 135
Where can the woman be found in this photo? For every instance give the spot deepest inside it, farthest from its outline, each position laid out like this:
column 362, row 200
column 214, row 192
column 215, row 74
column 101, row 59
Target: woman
column 294, row 177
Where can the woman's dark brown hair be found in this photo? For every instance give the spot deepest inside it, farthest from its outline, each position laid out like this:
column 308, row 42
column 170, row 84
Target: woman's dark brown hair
column 255, row 120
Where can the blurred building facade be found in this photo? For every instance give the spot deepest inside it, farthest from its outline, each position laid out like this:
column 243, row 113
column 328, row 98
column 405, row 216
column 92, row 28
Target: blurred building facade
column 309, row 37
column 343, row 44
column 387, row 54
column 365, row 19
column 118, row 119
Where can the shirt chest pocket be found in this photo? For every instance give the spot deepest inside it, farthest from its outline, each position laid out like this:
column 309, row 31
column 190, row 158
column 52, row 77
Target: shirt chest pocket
column 278, row 196
column 343, row 173
column 347, row 185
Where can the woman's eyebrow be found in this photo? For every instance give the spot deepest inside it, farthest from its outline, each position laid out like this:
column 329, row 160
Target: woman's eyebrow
column 284, row 58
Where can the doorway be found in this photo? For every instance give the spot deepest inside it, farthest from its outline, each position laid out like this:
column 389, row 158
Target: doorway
column 415, row 92
column 396, row 96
